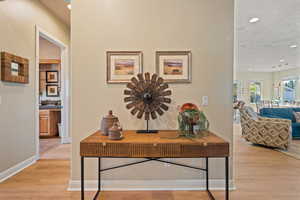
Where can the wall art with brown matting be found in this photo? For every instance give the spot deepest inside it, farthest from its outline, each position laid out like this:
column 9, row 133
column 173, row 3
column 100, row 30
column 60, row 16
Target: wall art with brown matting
column 14, row 68
column 174, row 66
column 123, row 65
column 52, row 91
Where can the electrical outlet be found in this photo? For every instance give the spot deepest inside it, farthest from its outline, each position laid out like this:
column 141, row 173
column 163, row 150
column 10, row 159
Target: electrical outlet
column 205, row 101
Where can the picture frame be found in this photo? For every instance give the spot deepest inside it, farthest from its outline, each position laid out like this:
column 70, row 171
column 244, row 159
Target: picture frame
column 123, row 65
column 52, row 91
column 52, row 76
column 14, row 68
column 174, row 66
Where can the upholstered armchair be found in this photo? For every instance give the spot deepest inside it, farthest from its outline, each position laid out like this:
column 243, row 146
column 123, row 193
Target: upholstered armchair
column 271, row 132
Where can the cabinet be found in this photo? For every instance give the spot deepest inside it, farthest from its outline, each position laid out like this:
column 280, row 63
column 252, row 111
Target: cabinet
column 49, row 120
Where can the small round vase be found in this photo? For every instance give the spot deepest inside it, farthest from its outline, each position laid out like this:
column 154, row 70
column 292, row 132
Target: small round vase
column 108, row 122
column 115, row 132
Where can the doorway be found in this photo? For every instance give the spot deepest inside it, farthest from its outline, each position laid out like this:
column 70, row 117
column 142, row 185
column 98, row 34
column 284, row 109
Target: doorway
column 52, row 98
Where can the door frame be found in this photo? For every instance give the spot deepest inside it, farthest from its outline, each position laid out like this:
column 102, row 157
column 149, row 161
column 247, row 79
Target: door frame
column 65, row 87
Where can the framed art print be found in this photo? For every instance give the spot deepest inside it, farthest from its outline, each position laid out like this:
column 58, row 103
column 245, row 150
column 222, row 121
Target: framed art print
column 123, row 65
column 52, row 91
column 52, row 76
column 14, row 68
column 174, row 66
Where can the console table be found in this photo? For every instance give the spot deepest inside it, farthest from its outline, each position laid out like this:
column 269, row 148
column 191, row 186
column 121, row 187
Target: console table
column 151, row 147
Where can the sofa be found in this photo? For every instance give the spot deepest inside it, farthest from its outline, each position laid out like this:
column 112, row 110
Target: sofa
column 270, row 132
column 283, row 113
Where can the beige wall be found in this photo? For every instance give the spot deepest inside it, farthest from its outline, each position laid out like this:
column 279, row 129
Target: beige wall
column 245, row 78
column 18, row 19
column 203, row 26
column 49, row 50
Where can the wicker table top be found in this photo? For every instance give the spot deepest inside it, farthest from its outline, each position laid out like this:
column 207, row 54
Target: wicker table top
column 135, row 145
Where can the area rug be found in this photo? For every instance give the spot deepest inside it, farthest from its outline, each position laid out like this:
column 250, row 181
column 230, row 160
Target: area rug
column 293, row 150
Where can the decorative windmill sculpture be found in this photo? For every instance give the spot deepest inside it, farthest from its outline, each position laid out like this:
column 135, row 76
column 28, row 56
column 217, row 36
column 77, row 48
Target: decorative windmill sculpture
column 147, row 96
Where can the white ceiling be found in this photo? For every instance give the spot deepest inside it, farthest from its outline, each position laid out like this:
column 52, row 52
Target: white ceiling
column 262, row 45
column 59, row 8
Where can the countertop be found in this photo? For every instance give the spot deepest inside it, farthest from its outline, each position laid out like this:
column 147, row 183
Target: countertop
column 47, row 107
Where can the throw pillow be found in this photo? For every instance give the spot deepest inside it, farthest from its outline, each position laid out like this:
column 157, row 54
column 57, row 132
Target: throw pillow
column 251, row 113
column 297, row 116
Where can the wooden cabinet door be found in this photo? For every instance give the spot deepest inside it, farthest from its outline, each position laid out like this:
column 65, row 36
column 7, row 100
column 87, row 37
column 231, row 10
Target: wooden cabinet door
column 49, row 120
column 54, row 119
column 44, row 123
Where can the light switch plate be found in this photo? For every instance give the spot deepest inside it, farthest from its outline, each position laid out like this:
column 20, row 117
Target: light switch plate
column 0, row 100
column 204, row 100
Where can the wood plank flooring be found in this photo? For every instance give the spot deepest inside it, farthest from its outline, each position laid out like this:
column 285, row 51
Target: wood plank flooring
column 48, row 143
column 52, row 148
column 261, row 174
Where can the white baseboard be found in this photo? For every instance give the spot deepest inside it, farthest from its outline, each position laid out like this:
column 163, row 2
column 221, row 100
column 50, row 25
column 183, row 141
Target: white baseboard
column 144, row 185
column 66, row 140
column 17, row 168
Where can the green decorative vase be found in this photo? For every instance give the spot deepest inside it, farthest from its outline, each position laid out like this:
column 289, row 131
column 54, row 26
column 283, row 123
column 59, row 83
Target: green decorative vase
column 192, row 122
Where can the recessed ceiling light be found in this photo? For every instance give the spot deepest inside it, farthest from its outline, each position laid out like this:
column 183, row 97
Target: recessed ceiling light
column 69, row 6
column 281, row 60
column 254, row 20
column 293, row 46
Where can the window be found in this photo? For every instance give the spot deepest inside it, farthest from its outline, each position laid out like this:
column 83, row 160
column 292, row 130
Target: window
column 255, row 91
column 236, row 90
column 288, row 90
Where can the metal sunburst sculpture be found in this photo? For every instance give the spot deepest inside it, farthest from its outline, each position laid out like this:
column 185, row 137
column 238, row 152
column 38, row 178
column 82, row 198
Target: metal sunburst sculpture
column 147, row 96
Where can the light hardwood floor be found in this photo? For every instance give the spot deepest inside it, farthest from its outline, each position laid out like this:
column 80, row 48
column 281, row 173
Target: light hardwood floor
column 52, row 148
column 261, row 174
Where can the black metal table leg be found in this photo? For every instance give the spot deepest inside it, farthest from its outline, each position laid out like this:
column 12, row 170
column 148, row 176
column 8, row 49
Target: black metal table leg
column 207, row 183
column 82, row 178
column 99, row 179
column 99, row 173
column 157, row 159
column 227, row 178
